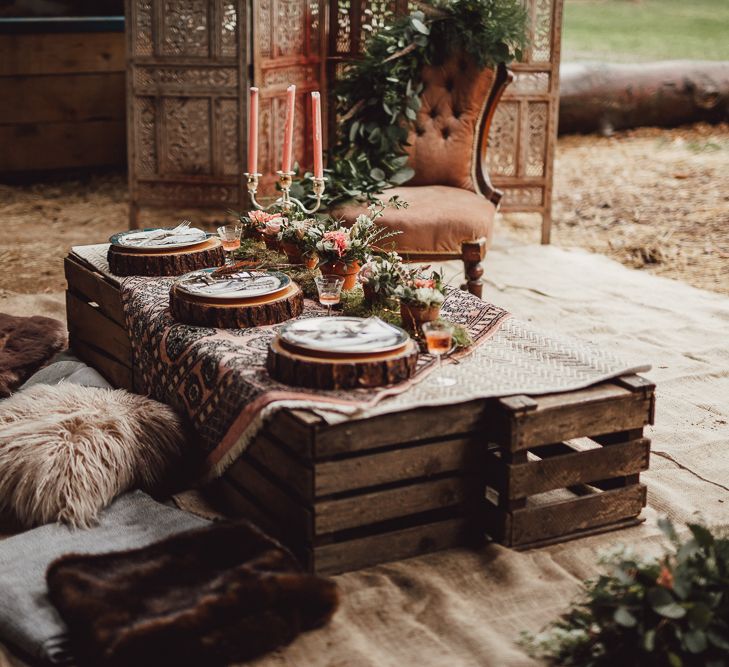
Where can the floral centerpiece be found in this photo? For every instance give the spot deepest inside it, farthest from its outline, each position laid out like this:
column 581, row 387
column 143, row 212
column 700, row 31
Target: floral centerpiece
column 381, row 276
column 295, row 241
column 421, row 298
column 342, row 250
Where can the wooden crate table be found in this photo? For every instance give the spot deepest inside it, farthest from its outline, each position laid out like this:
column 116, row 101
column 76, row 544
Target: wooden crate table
column 525, row 470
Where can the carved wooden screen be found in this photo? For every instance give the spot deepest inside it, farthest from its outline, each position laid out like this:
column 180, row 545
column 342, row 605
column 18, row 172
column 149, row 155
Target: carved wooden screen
column 186, row 68
column 288, row 43
column 524, row 129
column 520, row 155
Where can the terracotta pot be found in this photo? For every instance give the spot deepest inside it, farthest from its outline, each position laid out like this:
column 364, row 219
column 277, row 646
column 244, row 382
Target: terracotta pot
column 293, row 252
column 272, row 242
column 347, row 271
column 414, row 317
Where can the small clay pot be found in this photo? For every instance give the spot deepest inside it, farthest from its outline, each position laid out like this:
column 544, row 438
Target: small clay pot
column 414, row 317
column 293, row 252
column 311, row 261
column 347, row 271
column 272, row 242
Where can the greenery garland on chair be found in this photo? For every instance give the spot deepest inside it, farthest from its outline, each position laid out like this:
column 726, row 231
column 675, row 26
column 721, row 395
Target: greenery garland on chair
column 378, row 97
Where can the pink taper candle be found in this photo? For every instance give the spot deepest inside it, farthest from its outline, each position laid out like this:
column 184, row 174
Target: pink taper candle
column 316, row 117
column 289, row 129
column 253, row 132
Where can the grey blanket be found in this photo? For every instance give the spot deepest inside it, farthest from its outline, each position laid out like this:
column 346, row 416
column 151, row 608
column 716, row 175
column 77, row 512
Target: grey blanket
column 28, row 621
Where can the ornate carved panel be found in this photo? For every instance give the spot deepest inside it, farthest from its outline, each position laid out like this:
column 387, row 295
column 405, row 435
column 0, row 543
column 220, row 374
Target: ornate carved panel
column 533, row 99
column 288, row 46
column 184, row 27
column 186, row 80
column 188, row 77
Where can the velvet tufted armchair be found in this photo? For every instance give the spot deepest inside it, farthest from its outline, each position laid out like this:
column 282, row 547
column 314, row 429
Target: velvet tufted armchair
column 451, row 202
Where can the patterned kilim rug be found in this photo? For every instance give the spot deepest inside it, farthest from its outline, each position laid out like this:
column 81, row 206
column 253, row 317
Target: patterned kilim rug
column 218, row 377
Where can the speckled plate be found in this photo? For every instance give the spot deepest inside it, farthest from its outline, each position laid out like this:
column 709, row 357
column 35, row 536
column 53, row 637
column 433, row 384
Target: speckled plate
column 344, row 335
column 240, row 285
column 158, row 238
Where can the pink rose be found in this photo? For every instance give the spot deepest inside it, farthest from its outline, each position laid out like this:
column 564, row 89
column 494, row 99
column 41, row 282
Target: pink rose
column 273, row 226
column 260, row 218
column 422, row 282
column 340, row 241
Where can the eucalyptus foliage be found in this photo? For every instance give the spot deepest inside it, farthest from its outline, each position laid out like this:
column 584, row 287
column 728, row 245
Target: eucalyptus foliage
column 673, row 611
column 378, row 97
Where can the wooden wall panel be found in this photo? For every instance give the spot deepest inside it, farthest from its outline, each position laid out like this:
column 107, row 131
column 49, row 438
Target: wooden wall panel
column 61, row 53
column 38, row 146
column 61, row 100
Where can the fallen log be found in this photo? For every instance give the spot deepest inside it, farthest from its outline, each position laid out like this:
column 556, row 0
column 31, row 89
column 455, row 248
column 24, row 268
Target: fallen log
column 602, row 97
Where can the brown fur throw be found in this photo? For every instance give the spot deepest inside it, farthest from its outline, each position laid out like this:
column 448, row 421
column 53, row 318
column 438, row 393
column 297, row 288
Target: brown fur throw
column 210, row 596
column 67, row 451
column 26, row 344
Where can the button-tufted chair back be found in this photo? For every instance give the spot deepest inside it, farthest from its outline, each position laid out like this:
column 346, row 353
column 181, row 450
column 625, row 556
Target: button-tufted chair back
column 446, row 142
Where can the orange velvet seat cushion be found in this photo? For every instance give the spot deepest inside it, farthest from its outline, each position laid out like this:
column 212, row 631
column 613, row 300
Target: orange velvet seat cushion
column 437, row 220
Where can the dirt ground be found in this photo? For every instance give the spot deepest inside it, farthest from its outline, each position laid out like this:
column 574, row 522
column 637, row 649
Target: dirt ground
column 652, row 199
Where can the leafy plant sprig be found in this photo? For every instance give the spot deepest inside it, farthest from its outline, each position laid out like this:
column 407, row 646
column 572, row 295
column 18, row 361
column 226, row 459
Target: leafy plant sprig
column 378, row 98
column 671, row 611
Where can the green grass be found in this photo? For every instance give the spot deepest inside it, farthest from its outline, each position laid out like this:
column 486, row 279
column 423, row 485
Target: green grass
column 644, row 30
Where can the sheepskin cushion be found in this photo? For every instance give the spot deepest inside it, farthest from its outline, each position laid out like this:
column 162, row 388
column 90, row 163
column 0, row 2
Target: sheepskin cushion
column 66, row 451
column 26, row 344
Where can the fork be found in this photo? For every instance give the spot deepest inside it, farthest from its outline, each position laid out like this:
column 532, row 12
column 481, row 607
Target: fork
column 185, row 224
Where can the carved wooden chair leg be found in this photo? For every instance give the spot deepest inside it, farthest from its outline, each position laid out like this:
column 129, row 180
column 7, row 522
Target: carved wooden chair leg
column 473, row 253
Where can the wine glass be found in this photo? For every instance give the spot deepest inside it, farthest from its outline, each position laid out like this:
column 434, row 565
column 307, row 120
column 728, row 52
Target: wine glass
column 230, row 237
column 330, row 290
column 439, row 338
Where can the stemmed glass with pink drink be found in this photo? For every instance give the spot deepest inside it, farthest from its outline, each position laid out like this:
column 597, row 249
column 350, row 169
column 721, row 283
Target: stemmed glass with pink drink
column 439, row 339
column 230, row 238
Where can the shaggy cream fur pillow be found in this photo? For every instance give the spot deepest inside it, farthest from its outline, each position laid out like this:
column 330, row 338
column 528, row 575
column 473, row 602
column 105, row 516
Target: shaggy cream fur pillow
column 67, row 451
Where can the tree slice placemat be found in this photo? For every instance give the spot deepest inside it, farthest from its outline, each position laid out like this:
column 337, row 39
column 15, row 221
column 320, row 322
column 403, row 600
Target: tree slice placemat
column 341, row 371
column 161, row 262
column 239, row 314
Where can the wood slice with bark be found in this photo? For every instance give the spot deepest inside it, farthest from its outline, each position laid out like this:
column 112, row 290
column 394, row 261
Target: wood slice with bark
column 159, row 262
column 241, row 314
column 332, row 372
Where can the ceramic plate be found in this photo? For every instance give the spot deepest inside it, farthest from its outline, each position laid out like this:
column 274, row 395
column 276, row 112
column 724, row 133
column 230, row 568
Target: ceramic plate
column 240, row 285
column 347, row 335
column 158, row 238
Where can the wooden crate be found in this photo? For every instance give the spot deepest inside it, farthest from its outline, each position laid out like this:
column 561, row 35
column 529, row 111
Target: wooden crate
column 398, row 485
column 366, row 491
column 96, row 330
column 567, row 465
column 352, row 495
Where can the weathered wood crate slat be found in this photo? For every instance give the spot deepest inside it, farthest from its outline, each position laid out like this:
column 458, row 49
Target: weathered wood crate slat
column 438, row 477
column 543, row 485
column 344, row 511
column 95, row 318
column 524, row 470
